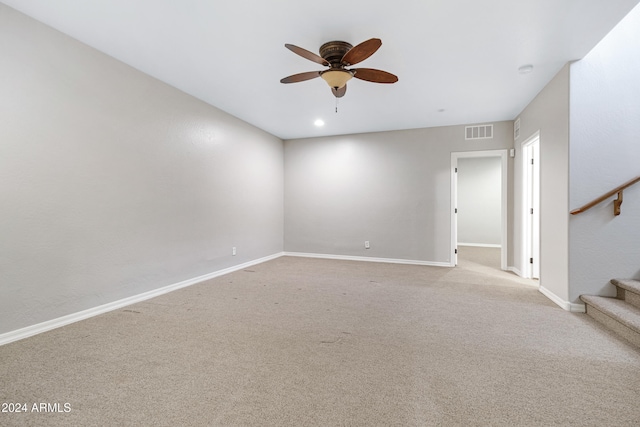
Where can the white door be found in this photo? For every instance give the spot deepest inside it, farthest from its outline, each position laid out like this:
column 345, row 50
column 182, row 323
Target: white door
column 454, row 209
column 531, row 192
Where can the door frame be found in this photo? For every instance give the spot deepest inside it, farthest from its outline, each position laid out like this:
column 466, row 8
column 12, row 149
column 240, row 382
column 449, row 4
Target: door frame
column 502, row 154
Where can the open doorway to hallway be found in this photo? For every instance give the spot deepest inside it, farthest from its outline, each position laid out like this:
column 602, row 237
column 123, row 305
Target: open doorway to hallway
column 479, row 205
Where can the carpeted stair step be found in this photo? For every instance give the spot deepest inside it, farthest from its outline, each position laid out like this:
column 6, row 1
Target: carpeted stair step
column 617, row 315
column 628, row 290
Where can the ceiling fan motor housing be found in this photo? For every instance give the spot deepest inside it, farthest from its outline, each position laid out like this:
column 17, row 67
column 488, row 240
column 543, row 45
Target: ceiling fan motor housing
column 334, row 51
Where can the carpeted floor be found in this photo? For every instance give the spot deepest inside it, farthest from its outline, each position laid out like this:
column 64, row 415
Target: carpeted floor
column 312, row 342
column 489, row 258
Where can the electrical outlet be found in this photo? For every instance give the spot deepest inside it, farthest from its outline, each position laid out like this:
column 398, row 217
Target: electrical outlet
column 366, row 244
column 233, row 251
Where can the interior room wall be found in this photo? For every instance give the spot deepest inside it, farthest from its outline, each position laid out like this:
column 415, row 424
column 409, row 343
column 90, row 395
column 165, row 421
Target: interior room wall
column 113, row 183
column 479, row 201
column 605, row 153
column 548, row 113
column 392, row 189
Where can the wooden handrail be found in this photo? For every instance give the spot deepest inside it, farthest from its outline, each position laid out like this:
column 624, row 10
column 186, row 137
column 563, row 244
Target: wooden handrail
column 616, row 203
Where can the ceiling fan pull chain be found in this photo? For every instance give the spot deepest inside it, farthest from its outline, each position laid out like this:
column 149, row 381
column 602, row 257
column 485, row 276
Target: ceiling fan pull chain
column 337, row 105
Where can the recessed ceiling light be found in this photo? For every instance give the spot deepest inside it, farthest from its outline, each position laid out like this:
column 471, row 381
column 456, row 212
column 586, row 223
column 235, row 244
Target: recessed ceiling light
column 319, row 123
column 525, row 69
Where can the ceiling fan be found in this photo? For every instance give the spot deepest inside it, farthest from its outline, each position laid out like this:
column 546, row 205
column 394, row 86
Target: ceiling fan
column 338, row 55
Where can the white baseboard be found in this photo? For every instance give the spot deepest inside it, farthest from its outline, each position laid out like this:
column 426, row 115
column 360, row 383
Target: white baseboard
column 565, row 305
column 369, row 259
column 481, row 245
column 29, row 331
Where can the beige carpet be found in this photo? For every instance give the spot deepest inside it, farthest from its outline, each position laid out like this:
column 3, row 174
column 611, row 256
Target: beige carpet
column 481, row 256
column 310, row 342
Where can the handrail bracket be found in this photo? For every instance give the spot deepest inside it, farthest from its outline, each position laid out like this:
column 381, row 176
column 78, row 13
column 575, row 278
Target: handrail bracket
column 616, row 204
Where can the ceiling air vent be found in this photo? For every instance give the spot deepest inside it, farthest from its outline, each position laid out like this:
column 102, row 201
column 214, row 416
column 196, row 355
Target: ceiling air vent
column 478, row 132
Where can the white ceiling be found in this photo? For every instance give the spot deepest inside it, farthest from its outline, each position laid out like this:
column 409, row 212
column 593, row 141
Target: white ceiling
column 458, row 55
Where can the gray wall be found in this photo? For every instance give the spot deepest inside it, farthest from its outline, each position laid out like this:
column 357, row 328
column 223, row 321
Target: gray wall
column 391, row 188
column 479, row 200
column 605, row 152
column 113, row 184
column 548, row 113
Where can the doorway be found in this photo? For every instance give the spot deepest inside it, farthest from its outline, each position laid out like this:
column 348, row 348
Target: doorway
column 531, row 207
column 467, row 194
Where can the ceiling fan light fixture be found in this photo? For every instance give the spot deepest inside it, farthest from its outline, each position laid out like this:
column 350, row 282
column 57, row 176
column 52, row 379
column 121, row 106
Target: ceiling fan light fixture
column 336, row 78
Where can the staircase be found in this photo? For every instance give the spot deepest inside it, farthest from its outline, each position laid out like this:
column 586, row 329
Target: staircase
column 620, row 314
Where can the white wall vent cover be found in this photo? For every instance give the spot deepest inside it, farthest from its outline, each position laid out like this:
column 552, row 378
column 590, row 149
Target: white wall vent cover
column 478, row 132
column 516, row 129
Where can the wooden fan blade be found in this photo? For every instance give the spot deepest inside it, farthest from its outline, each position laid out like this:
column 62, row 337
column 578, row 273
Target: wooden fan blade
column 306, row 54
column 339, row 93
column 375, row 76
column 361, row 52
column 301, row 77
